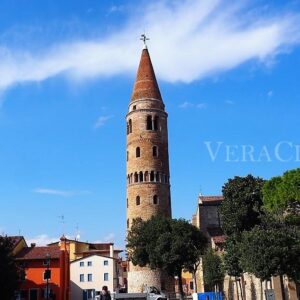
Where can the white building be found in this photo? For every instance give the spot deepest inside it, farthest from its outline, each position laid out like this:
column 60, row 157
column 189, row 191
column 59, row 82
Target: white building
column 90, row 273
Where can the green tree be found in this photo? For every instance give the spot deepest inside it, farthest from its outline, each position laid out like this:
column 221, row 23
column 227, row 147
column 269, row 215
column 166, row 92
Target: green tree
column 242, row 204
column 213, row 270
column 172, row 245
column 271, row 249
column 240, row 211
column 9, row 273
column 282, row 194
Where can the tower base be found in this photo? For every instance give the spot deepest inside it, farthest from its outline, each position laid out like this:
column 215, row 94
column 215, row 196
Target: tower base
column 139, row 277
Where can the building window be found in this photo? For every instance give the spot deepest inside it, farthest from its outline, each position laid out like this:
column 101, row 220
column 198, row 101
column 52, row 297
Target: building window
column 152, row 176
column 137, row 152
column 136, row 177
column 81, row 277
column 89, row 263
column 157, row 177
column 149, row 123
column 155, row 199
column 138, row 200
column 47, row 274
column 105, row 263
column 127, row 155
column 146, row 176
column 141, row 175
column 191, row 285
column 127, row 223
column 90, row 277
column 129, row 126
column 105, row 277
column 127, row 202
column 134, row 107
column 81, row 264
column 154, row 151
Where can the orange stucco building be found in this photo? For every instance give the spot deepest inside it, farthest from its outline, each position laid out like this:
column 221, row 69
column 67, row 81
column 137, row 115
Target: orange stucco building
column 38, row 262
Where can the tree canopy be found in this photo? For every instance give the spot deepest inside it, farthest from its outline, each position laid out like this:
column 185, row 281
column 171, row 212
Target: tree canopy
column 213, row 270
column 271, row 249
column 283, row 192
column 242, row 204
column 9, row 275
column 172, row 245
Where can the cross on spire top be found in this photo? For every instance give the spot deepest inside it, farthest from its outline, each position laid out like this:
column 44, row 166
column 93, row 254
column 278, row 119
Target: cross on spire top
column 144, row 39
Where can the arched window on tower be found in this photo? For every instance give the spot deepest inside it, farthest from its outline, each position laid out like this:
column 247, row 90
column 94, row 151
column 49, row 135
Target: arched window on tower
column 155, row 199
column 127, row 223
column 149, row 123
column 157, row 177
column 127, row 155
column 137, row 152
column 155, row 123
column 152, row 176
column 138, row 200
column 136, row 177
column 154, row 151
column 146, row 177
column 127, row 202
column 141, row 175
column 130, row 126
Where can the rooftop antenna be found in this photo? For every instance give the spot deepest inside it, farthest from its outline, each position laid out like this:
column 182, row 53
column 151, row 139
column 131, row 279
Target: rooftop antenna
column 77, row 238
column 200, row 191
column 144, row 39
column 62, row 222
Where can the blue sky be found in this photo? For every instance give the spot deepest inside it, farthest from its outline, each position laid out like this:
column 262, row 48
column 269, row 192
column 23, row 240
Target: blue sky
column 229, row 75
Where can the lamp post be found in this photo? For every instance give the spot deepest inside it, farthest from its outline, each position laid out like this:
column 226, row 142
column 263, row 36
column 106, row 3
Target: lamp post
column 47, row 273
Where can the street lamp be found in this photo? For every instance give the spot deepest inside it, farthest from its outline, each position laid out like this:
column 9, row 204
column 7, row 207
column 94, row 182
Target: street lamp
column 47, row 274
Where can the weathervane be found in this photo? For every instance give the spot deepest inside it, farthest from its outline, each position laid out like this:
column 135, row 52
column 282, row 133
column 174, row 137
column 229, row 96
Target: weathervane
column 144, row 39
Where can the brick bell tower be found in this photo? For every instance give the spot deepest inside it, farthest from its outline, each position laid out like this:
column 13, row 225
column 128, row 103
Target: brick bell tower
column 148, row 185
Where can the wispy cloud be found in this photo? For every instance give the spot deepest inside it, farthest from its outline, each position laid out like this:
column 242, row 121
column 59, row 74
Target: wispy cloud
column 61, row 193
column 229, row 102
column 187, row 104
column 201, row 105
column 102, row 121
column 198, row 38
column 42, row 240
column 270, row 94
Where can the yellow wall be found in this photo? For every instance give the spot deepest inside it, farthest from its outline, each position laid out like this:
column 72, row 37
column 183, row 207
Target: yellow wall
column 19, row 247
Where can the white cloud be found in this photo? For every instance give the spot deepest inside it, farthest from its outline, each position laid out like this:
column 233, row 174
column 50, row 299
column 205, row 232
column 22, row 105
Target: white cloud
column 187, row 104
column 190, row 40
column 270, row 94
column 201, row 105
column 229, row 102
column 109, row 238
column 101, row 121
column 62, row 193
column 41, row 240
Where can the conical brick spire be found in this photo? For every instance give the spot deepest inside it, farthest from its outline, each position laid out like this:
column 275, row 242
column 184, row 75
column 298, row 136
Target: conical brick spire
column 145, row 86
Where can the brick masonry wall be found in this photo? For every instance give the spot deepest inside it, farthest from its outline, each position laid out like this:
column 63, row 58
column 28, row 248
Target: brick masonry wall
column 146, row 189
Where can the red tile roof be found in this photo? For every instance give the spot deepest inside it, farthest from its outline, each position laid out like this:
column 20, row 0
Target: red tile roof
column 145, row 85
column 209, row 200
column 217, row 235
column 32, row 253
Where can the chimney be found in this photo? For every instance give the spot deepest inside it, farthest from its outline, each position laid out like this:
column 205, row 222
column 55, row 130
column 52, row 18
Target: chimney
column 111, row 250
column 32, row 245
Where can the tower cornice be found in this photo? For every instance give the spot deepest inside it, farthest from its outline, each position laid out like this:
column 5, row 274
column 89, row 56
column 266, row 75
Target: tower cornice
column 155, row 110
